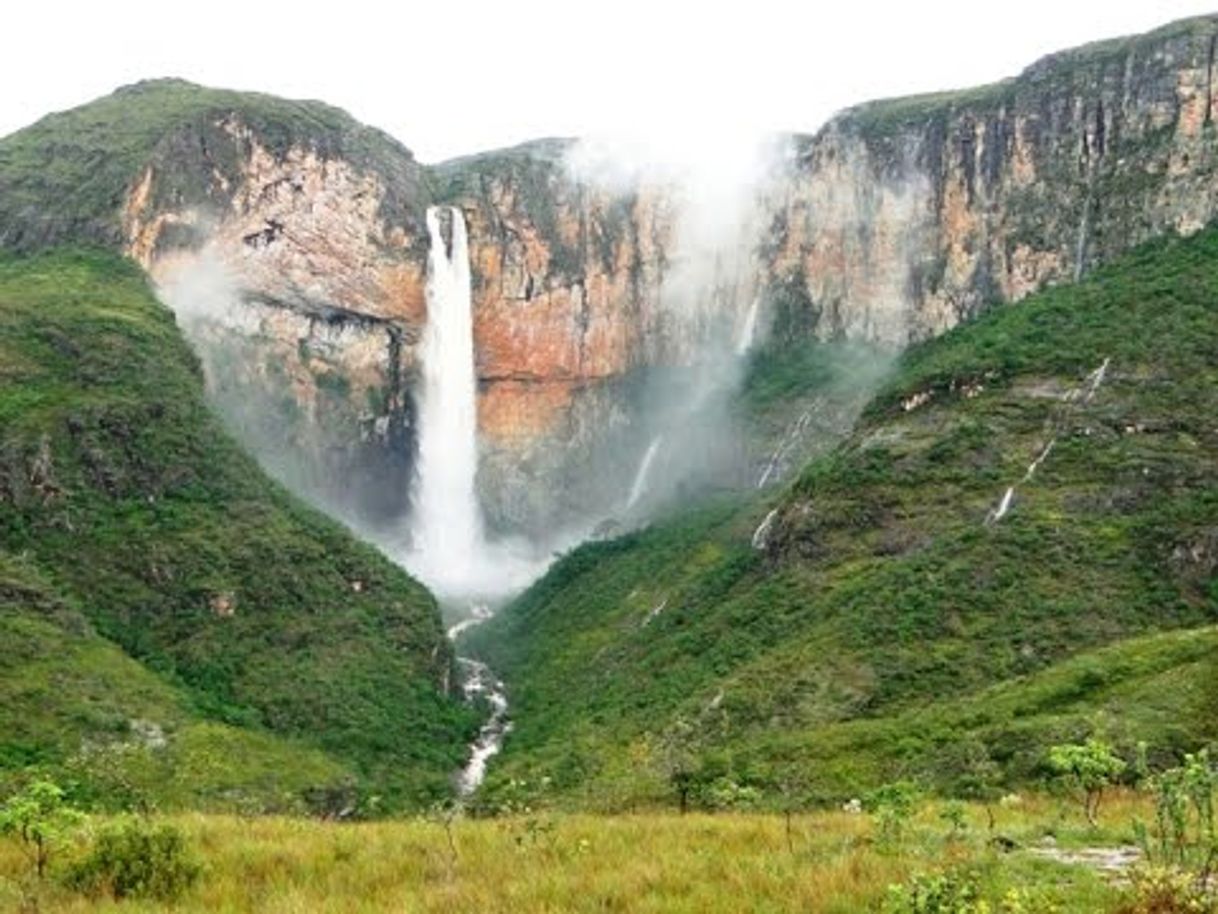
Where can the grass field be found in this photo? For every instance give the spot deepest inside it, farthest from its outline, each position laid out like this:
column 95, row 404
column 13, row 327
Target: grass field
column 829, row 861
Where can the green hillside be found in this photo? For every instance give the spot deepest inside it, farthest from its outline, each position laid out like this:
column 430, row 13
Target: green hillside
column 886, row 629
column 149, row 572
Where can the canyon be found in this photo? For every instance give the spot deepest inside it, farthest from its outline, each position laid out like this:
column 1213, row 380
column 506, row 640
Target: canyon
column 292, row 243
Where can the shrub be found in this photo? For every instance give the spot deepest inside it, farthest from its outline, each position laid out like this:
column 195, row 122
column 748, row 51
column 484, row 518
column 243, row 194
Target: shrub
column 725, row 794
column 939, row 893
column 1166, row 890
column 133, row 858
column 955, row 814
column 892, row 805
column 959, row 892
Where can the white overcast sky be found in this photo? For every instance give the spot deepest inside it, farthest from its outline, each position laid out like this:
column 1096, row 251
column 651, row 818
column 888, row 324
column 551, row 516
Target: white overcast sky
column 448, row 78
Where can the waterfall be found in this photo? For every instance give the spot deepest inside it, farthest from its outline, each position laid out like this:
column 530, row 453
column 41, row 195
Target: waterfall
column 789, row 440
column 1080, row 247
column 640, row 477
column 447, row 521
column 745, row 341
column 1040, row 458
column 1095, row 379
column 1074, row 399
column 761, row 536
column 1004, row 505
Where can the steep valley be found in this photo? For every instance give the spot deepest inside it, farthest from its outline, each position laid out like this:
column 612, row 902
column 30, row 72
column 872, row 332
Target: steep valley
column 893, row 459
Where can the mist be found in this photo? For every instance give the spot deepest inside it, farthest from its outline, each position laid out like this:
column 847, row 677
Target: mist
column 684, row 428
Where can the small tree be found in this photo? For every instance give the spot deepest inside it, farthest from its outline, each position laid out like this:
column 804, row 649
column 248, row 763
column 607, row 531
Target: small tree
column 1091, row 767
column 678, row 758
column 981, row 780
column 42, row 819
column 893, row 806
column 1185, row 831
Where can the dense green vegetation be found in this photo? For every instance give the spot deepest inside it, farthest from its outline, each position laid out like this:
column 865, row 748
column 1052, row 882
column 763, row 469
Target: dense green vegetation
column 888, row 629
column 157, row 591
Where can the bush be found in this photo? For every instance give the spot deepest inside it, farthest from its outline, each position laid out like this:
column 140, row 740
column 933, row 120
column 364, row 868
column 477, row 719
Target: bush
column 893, row 805
column 1167, row 890
column 959, row 892
column 133, row 858
column 940, row 893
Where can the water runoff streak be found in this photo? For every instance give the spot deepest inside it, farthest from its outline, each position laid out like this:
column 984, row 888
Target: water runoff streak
column 639, row 486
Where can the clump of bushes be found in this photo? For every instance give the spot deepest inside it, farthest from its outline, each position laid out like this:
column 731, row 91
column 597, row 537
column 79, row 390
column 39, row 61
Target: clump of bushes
column 1180, row 848
column 133, row 858
column 960, row 892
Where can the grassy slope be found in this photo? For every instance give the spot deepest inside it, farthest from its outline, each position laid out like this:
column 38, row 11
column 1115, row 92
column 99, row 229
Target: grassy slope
column 122, row 500
column 883, row 592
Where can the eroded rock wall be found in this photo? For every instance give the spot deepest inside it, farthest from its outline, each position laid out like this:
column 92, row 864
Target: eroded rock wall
column 904, row 217
column 298, row 272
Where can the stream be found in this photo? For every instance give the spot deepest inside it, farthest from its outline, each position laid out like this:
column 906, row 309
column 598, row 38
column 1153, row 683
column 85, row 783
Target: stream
column 478, row 682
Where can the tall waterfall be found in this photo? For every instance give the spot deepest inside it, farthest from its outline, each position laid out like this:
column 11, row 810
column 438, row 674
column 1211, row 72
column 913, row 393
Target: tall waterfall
column 447, row 521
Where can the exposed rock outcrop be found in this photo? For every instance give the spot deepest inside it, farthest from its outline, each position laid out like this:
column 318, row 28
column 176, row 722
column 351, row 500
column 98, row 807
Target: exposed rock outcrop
column 296, row 264
column 905, row 217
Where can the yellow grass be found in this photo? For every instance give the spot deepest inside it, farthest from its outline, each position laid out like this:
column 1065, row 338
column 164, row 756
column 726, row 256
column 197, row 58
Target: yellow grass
column 581, row 863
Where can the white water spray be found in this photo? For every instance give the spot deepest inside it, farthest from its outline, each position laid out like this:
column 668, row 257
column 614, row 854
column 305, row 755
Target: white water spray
column 640, row 477
column 480, row 682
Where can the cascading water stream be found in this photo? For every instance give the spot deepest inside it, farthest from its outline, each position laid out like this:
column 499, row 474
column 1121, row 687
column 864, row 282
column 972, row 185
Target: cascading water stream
column 447, row 521
column 449, row 545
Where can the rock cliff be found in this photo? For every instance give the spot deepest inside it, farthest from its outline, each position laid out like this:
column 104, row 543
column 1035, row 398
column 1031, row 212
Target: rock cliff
column 904, row 217
column 289, row 239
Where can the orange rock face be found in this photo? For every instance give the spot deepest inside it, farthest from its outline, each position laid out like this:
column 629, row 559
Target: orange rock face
column 541, row 327
column 516, row 414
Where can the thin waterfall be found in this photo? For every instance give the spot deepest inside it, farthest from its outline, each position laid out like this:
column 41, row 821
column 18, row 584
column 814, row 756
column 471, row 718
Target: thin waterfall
column 640, row 477
column 745, row 341
column 447, row 521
